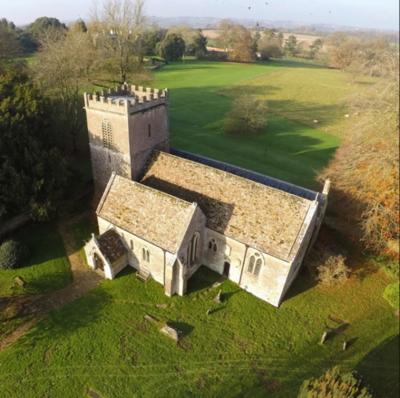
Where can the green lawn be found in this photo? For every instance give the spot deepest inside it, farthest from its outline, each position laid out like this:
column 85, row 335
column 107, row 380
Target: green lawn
column 47, row 267
column 244, row 348
column 201, row 96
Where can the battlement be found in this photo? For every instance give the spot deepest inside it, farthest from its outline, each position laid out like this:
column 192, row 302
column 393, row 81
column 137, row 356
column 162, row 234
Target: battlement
column 126, row 99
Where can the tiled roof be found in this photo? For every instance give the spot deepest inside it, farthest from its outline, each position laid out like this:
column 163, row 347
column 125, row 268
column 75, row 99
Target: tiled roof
column 152, row 215
column 258, row 215
column 111, row 245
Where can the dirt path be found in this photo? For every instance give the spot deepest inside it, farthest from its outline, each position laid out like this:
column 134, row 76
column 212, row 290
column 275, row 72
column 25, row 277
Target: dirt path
column 36, row 307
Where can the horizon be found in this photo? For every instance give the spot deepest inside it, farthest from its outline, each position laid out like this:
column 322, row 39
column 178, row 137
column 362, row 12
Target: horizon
column 361, row 14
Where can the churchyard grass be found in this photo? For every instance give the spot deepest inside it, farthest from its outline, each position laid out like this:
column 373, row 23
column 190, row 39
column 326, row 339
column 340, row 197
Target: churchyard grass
column 47, row 267
column 101, row 344
column 244, row 347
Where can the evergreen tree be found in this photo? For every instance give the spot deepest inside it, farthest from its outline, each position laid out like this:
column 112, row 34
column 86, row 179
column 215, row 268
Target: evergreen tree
column 32, row 170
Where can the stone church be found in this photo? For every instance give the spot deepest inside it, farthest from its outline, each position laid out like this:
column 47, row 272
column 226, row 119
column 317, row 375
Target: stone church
column 166, row 212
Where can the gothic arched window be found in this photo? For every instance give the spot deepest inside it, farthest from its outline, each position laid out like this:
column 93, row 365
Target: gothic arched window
column 255, row 264
column 212, row 245
column 146, row 255
column 106, row 130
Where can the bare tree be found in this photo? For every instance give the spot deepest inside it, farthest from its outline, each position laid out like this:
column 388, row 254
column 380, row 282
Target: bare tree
column 118, row 31
column 63, row 66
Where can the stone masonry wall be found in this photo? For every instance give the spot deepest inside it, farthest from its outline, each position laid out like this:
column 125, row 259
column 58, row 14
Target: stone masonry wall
column 135, row 255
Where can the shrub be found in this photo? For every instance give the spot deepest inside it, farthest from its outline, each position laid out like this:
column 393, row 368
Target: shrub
column 328, row 266
column 391, row 294
column 12, row 254
column 248, row 115
column 333, row 383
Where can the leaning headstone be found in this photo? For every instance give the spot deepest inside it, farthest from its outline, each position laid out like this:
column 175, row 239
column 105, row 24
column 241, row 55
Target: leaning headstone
column 324, row 337
column 19, row 281
column 345, row 345
column 162, row 306
column 170, row 332
column 208, row 311
column 150, row 318
column 217, row 298
column 216, row 284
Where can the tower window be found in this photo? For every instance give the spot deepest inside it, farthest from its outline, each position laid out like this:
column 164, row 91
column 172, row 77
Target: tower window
column 149, row 130
column 106, row 130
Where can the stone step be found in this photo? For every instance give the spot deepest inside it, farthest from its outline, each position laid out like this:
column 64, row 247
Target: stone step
column 143, row 275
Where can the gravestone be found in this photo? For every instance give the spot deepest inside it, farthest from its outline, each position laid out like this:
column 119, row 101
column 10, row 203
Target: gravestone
column 19, row 281
column 217, row 298
column 324, row 337
column 170, row 332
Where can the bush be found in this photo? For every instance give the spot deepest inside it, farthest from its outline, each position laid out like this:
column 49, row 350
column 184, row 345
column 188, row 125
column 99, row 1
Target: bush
column 12, row 254
column 333, row 383
column 391, row 294
column 248, row 115
column 328, row 266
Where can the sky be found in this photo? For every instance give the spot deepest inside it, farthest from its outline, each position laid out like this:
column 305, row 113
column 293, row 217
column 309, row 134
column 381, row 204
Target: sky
column 380, row 14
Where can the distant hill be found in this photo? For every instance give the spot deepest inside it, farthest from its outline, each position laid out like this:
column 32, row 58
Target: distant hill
column 288, row 26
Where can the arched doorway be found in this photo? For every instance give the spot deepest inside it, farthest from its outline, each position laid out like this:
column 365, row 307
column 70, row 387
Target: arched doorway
column 227, row 267
column 192, row 251
column 98, row 262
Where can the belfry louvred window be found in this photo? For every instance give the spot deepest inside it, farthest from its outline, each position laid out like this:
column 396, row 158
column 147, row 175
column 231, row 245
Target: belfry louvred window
column 106, row 131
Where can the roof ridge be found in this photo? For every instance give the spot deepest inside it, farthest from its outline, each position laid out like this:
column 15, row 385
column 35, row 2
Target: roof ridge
column 158, row 191
column 223, row 172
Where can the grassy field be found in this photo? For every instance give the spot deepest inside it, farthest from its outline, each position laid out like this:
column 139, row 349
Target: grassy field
column 47, row 267
column 292, row 147
column 100, row 344
column 245, row 347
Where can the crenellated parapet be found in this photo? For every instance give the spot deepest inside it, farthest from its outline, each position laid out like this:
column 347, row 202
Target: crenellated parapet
column 126, row 99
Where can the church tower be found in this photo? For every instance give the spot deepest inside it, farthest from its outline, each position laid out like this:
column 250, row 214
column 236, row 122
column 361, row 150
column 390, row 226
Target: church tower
column 125, row 124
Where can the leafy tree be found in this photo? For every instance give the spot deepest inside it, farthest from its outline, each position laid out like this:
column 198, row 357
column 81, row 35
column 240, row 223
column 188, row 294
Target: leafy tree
column 78, row 26
column 32, row 170
column 237, row 41
column 150, row 39
column 248, row 116
column 270, row 46
column 365, row 194
column 172, row 48
column 41, row 25
column 9, row 43
column 13, row 254
column 316, row 47
column 334, row 383
column 291, row 46
column 195, row 42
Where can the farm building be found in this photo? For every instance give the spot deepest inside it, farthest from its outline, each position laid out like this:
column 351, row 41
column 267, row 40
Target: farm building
column 166, row 212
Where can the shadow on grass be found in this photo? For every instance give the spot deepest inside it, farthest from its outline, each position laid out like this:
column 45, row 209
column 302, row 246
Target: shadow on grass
column 204, row 278
column 184, row 328
column 286, row 149
column 61, row 324
column 380, row 369
column 301, row 284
